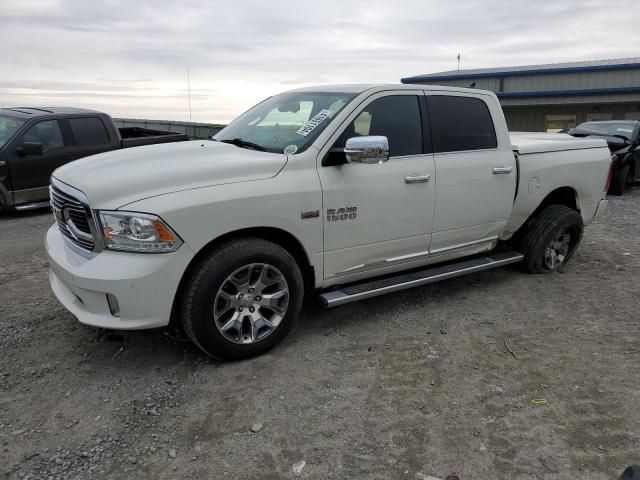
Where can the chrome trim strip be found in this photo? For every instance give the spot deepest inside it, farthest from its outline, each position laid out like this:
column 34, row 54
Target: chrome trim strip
column 349, row 270
column 31, row 195
column 409, row 256
column 339, row 297
column 92, row 218
column 388, row 262
column 31, row 206
column 69, row 190
column 440, row 251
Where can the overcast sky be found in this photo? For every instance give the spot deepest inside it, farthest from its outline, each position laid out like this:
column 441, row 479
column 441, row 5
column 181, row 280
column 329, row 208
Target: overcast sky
column 130, row 57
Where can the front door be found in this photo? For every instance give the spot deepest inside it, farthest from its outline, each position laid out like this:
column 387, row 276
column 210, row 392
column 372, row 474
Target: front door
column 376, row 218
column 30, row 173
column 475, row 172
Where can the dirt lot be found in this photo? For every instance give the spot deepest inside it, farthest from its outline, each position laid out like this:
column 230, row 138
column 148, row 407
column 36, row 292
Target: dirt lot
column 407, row 386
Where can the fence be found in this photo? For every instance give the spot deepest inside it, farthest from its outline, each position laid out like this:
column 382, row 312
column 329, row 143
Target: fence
column 195, row 130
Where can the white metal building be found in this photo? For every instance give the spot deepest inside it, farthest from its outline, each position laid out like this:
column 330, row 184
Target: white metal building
column 555, row 96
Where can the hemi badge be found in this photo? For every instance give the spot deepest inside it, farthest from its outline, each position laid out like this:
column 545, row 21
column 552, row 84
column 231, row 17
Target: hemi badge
column 310, row 214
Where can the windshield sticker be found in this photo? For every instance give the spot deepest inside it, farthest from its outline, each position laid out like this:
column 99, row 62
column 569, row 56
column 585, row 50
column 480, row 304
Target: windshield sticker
column 291, row 149
column 626, row 130
column 310, row 126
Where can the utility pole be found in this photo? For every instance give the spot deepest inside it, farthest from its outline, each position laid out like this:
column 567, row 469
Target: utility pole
column 458, row 61
column 189, row 90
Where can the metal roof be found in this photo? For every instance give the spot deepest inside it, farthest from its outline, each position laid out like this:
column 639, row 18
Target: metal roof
column 525, row 70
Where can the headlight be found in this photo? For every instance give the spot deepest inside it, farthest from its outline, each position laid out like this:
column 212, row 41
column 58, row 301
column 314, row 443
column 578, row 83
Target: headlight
column 137, row 232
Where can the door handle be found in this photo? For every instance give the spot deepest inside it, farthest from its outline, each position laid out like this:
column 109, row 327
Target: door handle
column 502, row 170
column 417, row 178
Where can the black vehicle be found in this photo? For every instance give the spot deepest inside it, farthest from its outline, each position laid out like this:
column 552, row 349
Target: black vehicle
column 36, row 141
column 623, row 137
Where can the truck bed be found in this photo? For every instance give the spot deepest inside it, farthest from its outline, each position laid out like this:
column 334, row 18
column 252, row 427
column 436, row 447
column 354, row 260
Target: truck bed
column 543, row 157
column 138, row 136
column 534, row 142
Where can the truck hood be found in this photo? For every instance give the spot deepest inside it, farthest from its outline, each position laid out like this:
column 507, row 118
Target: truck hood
column 114, row 179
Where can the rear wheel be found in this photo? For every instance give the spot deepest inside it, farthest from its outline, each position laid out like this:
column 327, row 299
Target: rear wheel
column 242, row 299
column 619, row 180
column 550, row 239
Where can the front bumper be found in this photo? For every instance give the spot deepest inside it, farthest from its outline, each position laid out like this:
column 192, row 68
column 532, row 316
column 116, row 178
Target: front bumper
column 144, row 284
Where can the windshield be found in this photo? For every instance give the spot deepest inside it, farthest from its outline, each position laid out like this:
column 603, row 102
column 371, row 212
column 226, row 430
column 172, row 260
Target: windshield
column 285, row 123
column 8, row 126
column 623, row 129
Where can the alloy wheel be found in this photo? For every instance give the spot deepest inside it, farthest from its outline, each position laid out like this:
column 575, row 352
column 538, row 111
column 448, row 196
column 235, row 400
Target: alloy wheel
column 251, row 303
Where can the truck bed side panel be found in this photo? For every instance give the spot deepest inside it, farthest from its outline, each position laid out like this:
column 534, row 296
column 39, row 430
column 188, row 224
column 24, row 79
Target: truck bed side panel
column 583, row 170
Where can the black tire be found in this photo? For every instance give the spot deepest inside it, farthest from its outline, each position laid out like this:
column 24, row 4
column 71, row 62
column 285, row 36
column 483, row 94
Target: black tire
column 619, row 180
column 209, row 276
column 544, row 229
column 631, row 473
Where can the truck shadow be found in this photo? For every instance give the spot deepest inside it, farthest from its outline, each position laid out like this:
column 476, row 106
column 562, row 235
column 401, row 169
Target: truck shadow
column 158, row 348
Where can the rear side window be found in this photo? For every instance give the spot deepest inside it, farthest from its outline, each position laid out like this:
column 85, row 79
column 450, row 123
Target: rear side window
column 89, row 131
column 460, row 123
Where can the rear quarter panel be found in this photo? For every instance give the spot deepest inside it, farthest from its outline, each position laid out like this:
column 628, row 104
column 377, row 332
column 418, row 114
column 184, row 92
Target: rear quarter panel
column 583, row 170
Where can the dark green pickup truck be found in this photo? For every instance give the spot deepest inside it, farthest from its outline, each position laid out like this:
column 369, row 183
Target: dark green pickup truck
column 36, row 141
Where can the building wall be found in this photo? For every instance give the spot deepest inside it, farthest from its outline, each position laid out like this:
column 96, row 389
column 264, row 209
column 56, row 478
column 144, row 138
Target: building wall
column 534, row 118
column 556, row 82
column 195, row 130
column 541, row 101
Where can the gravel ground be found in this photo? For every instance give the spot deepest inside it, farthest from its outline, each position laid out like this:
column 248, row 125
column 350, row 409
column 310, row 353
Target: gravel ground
column 406, row 386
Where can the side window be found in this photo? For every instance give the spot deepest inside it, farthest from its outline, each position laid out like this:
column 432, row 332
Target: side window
column 47, row 133
column 396, row 117
column 89, row 131
column 460, row 123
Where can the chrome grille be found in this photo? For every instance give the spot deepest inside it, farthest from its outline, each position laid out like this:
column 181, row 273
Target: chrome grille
column 73, row 218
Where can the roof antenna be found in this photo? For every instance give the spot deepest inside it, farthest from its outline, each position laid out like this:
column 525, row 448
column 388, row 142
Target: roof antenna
column 189, row 90
column 458, row 61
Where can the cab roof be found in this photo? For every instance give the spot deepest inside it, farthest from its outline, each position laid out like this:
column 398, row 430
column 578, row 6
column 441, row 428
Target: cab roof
column 32, row 112
column 361, row 88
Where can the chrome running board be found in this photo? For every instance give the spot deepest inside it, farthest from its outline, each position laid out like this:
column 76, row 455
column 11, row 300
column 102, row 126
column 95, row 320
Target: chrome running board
column 31, row 206
column 373, row 288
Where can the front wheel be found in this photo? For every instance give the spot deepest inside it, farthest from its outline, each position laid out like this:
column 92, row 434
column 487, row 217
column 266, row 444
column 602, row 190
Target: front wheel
column 550, row 239
column 242, row 299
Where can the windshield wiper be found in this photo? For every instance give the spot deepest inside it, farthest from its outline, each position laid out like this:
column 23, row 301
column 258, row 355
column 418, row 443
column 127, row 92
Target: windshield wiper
column 238, row 142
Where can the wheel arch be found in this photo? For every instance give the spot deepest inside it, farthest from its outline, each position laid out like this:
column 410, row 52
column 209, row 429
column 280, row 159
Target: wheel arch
column 567, row 196
column 275, row 235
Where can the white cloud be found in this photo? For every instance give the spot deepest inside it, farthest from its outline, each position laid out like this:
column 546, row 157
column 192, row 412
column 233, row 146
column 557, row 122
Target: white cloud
column 131, row 58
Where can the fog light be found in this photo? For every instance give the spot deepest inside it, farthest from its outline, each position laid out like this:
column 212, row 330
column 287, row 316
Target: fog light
column 114, row 307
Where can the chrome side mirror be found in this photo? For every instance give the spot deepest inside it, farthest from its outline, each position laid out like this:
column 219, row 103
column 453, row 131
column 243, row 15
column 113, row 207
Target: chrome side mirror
column 372, row 149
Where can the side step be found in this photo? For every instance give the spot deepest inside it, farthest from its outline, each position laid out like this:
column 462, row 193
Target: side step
column 31, row 206
column 373, row 288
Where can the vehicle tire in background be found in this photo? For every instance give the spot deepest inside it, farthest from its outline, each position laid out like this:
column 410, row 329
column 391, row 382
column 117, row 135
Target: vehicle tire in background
column 619, row 180
column 242, row 299
column 550, row 239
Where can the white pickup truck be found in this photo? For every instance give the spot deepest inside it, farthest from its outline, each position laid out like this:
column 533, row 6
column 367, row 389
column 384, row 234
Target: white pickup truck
column 349, row 191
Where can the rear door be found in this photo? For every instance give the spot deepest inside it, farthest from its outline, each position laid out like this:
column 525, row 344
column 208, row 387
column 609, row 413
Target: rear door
column 30, row 173
column 475, row 170
column 91, row 136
